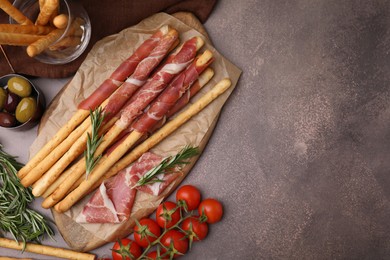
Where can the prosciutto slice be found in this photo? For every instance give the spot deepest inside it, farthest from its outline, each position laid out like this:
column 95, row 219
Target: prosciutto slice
column 153, row 87
column 140, row 75
column 168, row 98
column 124, row 70
column 148, row 161
column 113, row 201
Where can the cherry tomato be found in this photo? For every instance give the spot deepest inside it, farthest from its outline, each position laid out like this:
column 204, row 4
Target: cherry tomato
column 195, row 229
column 126, row 249
column 176, row 242
column 212, row 209
column 146, row 231
column 167, row 214
column 189, row 194
column 154, row 255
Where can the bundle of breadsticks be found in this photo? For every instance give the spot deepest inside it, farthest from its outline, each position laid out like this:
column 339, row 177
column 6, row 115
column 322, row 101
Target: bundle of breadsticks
column 137, row 102
column 46, row 33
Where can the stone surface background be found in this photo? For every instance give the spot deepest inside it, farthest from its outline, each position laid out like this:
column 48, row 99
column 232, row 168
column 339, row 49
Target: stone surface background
column 300, row 156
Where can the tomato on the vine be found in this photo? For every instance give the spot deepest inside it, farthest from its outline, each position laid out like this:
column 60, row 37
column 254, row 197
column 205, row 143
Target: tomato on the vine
column 146, row 231
column 176, row 242
column 126, row 249
column 167, row 214
column 190, row 195
column 212, row 209
column 195, row 229
column 155, row 255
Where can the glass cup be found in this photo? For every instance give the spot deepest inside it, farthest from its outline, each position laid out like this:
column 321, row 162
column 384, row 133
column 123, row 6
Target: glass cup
column 75, row 36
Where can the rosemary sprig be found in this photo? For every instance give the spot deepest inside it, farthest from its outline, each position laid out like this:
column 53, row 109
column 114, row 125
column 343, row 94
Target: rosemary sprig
column 93, row 140
column 23, row 223
column 167, row 165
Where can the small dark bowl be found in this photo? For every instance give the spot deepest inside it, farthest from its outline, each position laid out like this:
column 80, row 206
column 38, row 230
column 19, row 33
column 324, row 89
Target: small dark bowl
column 36, row 94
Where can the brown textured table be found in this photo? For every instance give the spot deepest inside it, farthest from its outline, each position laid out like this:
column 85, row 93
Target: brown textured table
column 300, row 155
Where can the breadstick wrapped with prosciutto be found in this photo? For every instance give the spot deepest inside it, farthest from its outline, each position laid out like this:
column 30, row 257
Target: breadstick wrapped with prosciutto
column 135, row 106
column 203, row 79
column 138, row 79
column 113, row 165
column 110, row 85
column 124, row 70
column 172, row 94
column 118, row 98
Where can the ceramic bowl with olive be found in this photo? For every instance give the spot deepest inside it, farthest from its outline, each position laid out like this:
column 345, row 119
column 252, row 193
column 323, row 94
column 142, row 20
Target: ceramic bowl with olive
column 21, row 103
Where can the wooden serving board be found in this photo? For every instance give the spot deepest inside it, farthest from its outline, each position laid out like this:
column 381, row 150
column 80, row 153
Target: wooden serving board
column 86, row 237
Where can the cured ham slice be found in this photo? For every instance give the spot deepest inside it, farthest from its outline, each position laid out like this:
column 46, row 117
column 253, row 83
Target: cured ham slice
column 140, row 75
column 168, row 98
column 113, row 201
column 148, row 161
column 99, row 209
column 124, row 70
column 157, row 83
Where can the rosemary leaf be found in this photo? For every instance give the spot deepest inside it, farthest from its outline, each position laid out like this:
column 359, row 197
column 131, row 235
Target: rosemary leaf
column 16, row 218
column 167, row 166
column 93, row 141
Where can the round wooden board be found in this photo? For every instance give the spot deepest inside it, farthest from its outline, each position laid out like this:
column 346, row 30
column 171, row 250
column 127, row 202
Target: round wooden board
column 75, row 235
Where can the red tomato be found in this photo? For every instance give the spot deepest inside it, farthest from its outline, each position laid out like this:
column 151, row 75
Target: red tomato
column 176, row 242
column 154, row 255
column 213, row 210
column 189, row 194
column 146, row 231
column 196, row 230
column 126, row 249
column 167, row 214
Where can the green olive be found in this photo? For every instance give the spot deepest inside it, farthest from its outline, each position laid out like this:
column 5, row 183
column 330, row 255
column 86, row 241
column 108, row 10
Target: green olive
column 19, row 86
column 3, row 97
column 26, row 109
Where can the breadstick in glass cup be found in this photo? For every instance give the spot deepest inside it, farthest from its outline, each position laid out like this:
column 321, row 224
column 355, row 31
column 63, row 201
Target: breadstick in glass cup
column 69, row 29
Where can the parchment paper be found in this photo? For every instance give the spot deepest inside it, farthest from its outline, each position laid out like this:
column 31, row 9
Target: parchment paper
column 104, row 57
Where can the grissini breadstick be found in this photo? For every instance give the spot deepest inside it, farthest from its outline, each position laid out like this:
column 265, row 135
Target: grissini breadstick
column 14, row 12
column 18, row 39
column 62, row 148
column 60, row 21
column 41, row 4
column 55, row 164
column 125, row 69
column 64, row 131
column 40, row 45
column 55, row 184
column 47, row 10
column 26, row 29
column 45, row 250
column 105, row 164
column 66, row 42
